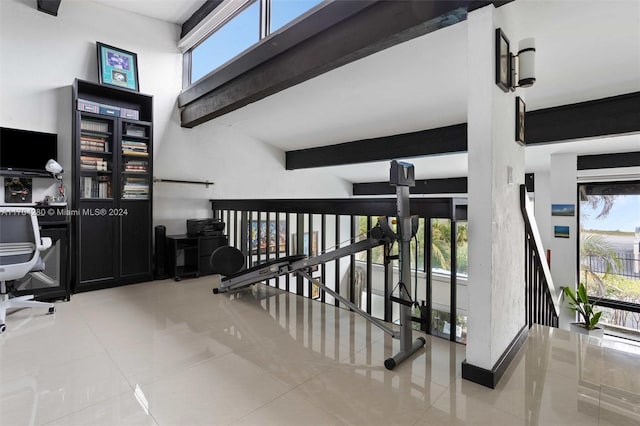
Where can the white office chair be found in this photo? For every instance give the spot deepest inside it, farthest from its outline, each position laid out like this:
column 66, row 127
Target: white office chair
column 20, row 244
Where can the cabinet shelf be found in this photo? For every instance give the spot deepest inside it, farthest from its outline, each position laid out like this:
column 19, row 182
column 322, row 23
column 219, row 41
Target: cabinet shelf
column 85, row 152
column 128, row 154
column 142, row 138
column 90, row 133
column 88, row 172
column 111, row 249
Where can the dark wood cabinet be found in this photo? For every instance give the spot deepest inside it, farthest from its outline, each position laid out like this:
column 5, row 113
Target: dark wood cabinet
column 183, row 256
column 189, row 255
column 209, row 244
column 112, row 186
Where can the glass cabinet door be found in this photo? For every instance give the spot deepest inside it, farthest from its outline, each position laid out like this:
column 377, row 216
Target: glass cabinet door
column 96, row 158
column 135, row 161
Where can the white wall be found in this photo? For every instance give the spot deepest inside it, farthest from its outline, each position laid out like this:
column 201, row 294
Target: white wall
column 47, row 53
column 564, row 263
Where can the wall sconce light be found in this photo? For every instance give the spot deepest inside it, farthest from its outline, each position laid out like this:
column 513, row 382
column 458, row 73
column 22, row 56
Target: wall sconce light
column 514, row 70
column 523, row 65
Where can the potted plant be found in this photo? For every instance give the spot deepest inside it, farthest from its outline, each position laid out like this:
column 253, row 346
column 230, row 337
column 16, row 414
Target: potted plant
column 580, row 303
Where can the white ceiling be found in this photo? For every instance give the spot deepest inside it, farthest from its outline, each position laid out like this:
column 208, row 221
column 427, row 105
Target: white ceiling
column 586, row 49
column 175, row 11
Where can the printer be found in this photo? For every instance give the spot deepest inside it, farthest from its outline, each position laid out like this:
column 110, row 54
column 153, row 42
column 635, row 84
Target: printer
column 208, row 227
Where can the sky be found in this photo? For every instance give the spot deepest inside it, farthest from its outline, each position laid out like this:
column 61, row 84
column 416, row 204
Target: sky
column 624, row 216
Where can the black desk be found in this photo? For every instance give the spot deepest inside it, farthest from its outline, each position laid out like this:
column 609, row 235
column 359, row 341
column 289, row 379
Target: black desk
column 188, row 255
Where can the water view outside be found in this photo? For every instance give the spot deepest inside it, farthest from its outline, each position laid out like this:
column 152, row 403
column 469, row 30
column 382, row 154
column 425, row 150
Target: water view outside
column 610, row 249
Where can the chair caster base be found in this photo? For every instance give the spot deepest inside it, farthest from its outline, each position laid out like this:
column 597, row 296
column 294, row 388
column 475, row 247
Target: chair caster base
column 3, row 328
column 52, row 310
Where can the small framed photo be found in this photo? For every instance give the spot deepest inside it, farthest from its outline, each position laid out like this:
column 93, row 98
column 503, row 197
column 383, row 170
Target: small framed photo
column 117, row 67
column 503, row 61
column 561, row 232
column 520, row 113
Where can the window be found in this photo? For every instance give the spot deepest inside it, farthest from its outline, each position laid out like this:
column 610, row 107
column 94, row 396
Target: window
column 609, row 251
column 255, row 19
column 285, row 11
column 238, row 34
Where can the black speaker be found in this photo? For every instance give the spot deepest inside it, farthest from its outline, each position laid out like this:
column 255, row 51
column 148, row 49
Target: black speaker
column 160, row 270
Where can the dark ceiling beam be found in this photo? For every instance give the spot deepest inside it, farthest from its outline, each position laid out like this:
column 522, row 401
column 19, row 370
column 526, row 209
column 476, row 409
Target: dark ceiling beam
column 600, row 117
column 198, row 16
column 49, row 6
column 443, row 140
column 423, row 186
column 267, row 68
column 609, row 161
column 477, row 4
column 456, row 185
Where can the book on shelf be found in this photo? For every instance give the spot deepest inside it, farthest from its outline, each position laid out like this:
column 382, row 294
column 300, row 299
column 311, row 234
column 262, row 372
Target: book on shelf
column 136, row 169
column 133, row 130
column 135, row 153
column 134, row 165
column 96, row 139
column 92, row 144
column 99, row 164
column 134, row 143
column 93, row 125
column 134, row 146
column 92, row 187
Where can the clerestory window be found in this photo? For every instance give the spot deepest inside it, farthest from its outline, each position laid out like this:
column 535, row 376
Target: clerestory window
column 240, row 24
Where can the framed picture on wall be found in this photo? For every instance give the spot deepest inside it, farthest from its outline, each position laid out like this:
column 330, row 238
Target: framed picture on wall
column 258, row 238
column 503, row 61
column 117, row 67
column 520, row 112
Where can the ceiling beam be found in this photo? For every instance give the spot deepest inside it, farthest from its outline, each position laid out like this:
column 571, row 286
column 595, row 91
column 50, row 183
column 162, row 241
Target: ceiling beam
column 198, row 16
column 423, row 186
column 49, row 6
column 323, row 41
column 609, row 161
column 601, row 117
column 443, row 140
column 456, row 185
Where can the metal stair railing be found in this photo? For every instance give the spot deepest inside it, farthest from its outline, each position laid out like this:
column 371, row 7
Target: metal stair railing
column 542, row 297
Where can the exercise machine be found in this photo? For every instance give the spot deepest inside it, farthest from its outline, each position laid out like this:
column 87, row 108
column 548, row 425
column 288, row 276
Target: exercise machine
column 402, row 177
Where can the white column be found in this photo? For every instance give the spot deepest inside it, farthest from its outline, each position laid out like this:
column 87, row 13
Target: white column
column 564, row 252
column 496, row 226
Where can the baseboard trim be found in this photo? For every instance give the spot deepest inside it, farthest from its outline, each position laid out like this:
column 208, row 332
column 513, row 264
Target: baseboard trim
column 490, row 378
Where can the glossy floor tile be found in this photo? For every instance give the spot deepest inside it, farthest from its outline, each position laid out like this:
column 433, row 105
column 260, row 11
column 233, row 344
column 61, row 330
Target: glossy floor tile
column 173, row 353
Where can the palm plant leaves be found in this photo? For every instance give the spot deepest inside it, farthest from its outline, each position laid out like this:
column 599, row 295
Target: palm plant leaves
column 594, row 201
column 579, row 302
column 595, row 246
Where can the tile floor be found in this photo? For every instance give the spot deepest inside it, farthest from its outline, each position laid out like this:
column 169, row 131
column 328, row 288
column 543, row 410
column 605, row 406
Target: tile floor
column 173, row 353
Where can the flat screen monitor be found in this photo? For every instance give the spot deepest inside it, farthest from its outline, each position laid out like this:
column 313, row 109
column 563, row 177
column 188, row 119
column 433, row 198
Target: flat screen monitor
column 26, row 151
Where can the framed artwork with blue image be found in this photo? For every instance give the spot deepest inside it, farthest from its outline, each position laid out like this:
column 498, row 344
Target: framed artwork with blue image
column 117, row 67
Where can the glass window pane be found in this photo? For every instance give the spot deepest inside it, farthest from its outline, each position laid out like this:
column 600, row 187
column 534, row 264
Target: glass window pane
column 610, row 248
column 285, row 11
column 240, row 33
